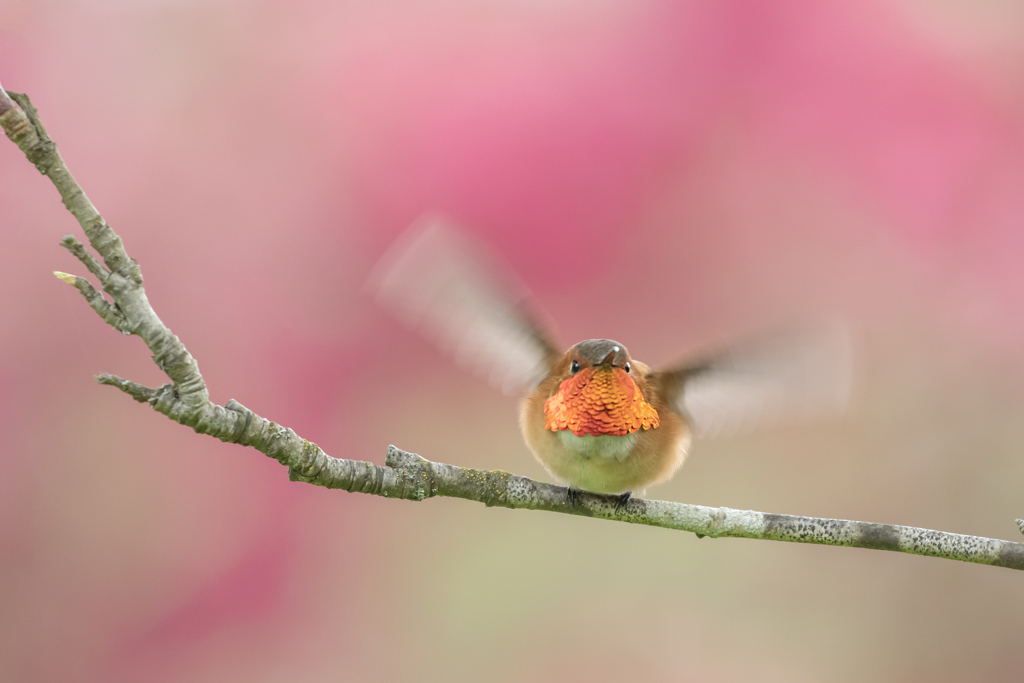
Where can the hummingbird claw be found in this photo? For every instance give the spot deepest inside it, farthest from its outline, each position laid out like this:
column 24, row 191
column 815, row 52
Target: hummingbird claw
column 572, row 495
column 622, row 501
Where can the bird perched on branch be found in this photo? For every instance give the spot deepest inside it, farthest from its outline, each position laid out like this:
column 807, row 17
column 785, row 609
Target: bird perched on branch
column 596, row 418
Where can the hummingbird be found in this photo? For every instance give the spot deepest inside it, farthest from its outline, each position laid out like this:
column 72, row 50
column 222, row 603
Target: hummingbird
column 596, row 418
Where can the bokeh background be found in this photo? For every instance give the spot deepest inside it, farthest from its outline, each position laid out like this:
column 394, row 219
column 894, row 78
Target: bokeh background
column 668, row 174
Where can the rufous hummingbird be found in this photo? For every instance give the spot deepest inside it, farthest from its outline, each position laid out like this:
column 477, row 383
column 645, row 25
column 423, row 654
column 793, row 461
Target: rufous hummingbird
column 597, row 419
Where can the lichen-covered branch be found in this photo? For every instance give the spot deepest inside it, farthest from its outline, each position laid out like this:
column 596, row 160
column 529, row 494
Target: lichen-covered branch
column 406, row 475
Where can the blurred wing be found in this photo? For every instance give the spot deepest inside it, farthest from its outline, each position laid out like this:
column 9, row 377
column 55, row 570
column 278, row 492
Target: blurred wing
column 792, row 375
column 436, row 278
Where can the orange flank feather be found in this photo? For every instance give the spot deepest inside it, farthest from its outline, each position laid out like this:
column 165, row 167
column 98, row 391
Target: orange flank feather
column 599, row 401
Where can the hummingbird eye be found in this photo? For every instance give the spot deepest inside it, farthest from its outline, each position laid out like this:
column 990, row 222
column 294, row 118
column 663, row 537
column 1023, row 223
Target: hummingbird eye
column 575, row 366
column 626, row 366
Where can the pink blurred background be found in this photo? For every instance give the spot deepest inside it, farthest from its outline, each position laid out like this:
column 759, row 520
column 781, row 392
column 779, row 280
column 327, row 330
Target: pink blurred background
column 665, row 174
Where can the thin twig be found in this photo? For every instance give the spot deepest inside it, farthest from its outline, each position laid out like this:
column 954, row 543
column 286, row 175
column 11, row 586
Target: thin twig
column 78, row 249
column 140, row 393
column 106, row 310
column 406, row 475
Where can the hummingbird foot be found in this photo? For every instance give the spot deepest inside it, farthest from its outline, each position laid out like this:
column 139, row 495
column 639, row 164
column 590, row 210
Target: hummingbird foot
column 622, row 501
column 572, row 495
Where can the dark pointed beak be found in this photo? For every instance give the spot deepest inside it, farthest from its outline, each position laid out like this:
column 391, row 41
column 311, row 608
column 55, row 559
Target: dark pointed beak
column 610, row 358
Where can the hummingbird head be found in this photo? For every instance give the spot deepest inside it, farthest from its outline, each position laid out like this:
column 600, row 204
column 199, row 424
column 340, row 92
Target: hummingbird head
column 597, row 393
column 595, row 352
